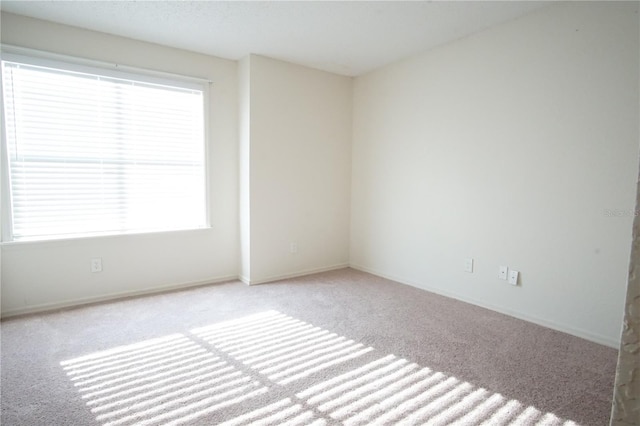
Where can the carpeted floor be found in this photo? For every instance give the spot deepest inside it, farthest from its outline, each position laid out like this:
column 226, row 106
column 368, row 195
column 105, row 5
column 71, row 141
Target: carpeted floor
column 342, row 347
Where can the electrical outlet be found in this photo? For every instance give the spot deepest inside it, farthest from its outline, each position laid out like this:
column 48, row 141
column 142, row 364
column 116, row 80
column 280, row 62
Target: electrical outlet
column 293, row 247
column 96, row 264
column 502, row 272
column 513, row 277
column 468, row 265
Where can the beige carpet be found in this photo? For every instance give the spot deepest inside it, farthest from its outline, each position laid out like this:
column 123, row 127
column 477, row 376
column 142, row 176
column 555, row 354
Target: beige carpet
column 342, row 347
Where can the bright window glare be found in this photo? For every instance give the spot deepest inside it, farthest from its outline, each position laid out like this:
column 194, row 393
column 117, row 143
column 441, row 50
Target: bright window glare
column 91, row 154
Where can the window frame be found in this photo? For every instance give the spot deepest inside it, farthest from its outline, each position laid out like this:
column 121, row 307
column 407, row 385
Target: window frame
column 113, row 70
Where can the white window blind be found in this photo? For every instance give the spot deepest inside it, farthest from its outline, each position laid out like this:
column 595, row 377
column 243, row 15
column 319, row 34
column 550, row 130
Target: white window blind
column 93, row 154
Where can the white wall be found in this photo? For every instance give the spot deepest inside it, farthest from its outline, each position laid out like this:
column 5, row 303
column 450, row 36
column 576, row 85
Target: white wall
column 244, row 136
column 37, row 275
column 299, row 169
column 507, row 147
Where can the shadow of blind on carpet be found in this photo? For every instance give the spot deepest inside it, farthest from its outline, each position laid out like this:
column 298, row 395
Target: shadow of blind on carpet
column 272, row 369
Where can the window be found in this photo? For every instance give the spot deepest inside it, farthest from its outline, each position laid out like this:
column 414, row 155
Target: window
column 91, row 151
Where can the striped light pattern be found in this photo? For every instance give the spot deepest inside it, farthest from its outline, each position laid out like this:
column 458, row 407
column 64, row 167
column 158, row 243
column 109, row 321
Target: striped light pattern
column 169, row 380
column 255, row 360
column 279, row 347
column 391, row 390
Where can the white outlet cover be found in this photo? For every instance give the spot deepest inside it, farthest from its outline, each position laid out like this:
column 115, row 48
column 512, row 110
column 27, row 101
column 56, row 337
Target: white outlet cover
column 502, row 272
column 96, row 264
column 468, row 265
column 513, row 277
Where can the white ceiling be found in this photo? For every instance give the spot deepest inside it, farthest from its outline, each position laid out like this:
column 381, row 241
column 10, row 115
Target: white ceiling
column 344, row 37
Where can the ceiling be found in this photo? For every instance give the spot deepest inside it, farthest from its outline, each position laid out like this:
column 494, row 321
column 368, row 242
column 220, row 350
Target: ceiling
column 344, row 37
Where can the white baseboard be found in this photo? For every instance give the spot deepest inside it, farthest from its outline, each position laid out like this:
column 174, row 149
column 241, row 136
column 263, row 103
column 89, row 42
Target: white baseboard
column 587, row 335
column 594, row 337
column 296, row 274
column 112, row 296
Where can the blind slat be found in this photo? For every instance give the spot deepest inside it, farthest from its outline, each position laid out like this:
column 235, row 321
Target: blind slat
column 92, row 154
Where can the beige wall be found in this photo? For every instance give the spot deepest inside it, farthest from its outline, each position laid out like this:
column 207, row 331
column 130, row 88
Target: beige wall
column 37, row 275
column 516, row 146
column 297, row 169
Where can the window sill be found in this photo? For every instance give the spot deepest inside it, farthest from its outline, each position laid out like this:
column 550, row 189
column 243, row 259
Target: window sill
column 94, row 238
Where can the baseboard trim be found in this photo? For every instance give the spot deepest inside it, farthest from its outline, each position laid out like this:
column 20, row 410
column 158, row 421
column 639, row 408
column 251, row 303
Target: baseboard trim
column 296, row 274
column 47, row 307
column 593, row 337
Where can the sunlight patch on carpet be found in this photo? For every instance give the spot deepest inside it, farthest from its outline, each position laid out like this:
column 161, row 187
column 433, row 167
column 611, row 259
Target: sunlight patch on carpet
column 271, row 369
column 280, row 412
column 159, row 381
column 280, row 347
column 390, row 390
